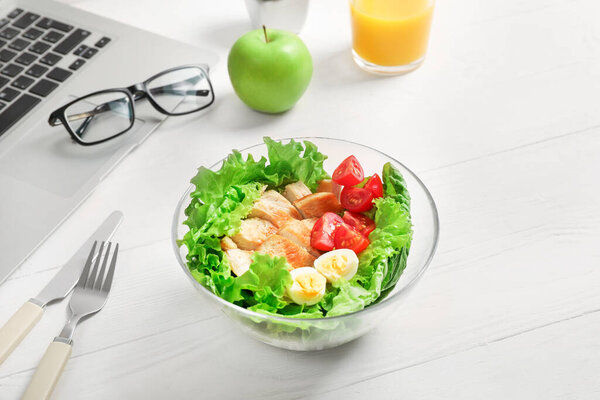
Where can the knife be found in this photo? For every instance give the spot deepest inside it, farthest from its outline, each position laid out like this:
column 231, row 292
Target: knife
column 19, row 325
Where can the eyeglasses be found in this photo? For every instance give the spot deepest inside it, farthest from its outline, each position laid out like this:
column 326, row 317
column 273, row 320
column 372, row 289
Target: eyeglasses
column 107, row 114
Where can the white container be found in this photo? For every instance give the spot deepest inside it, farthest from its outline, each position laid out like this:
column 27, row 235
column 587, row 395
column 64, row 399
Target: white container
column 288, row 15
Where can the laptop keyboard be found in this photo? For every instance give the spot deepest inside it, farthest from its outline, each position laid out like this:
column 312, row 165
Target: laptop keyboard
column 31, row 46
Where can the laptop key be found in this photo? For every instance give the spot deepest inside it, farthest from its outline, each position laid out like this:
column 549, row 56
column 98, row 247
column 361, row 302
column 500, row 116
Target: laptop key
column 71, row 41
column 89, row 53
column 25, row 20
column 77, row 64
column 2, row 43
column 3, row 81
column 4, row 21
column 8, row 94
column 47, row 23
column 6, row 55
column 22, row 82
column 53, row 36
column 43, row 88
column 2, row 106
column 9, row 33
column 59, row 74
column 32, row 33
column 50, row 59
column 14, row 112
column 25, row 58
column 102, row 42
column 80, row 50
column 19, row 44
column 15, row 13
column 12, row 70
column 37, row 70
column 39, row 47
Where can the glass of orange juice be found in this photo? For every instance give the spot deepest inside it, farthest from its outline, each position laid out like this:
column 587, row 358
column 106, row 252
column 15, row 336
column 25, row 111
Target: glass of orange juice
column 390, row 36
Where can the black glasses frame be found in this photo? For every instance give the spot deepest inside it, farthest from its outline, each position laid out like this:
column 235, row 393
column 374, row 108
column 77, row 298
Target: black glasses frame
column 134, row 92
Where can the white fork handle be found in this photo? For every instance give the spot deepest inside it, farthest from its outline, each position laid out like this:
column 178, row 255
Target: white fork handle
column 48, row 372
column 17, row 327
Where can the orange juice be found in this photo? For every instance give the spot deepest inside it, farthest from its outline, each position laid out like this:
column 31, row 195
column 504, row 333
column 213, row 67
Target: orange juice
column 391, row 32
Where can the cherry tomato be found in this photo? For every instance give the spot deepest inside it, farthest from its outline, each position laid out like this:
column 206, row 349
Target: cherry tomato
column 349, row 172
column 322, row 234
column 361, row 223
column 356, row 199
column 348, row 238
column 375, row 186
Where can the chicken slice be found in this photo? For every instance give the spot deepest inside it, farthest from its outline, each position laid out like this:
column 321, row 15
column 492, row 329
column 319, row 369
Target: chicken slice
column 253, row 232
column 275, row 208
column 239, row 260
column 296, row 256
column 295, row 191
column 317, row 204
column 326, row 185
column 227, row 244
column 299, row 233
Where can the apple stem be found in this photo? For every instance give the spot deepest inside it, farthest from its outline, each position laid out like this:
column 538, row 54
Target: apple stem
column 265, row 31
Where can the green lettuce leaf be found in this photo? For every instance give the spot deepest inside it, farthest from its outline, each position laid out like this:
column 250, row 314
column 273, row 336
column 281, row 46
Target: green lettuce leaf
column 267, row 279
column 223, row 216
column 293, row 162
column 394, row 186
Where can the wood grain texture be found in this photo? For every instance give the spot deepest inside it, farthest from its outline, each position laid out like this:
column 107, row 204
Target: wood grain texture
column 501, row 123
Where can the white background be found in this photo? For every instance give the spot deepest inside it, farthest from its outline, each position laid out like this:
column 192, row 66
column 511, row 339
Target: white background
column 502, row 122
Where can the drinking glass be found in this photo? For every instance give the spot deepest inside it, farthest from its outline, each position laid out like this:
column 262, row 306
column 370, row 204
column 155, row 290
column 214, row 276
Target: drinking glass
column 390, row 37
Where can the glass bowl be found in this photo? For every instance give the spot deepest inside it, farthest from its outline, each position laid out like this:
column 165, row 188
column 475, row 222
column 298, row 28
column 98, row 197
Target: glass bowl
column 324, row 333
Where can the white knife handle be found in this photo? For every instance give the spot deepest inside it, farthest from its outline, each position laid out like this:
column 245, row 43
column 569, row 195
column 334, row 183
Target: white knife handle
column 17, row 327
column 48, row 372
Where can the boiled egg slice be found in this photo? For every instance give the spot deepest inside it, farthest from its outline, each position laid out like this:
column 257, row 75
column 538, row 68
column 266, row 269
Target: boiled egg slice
column 337, row 264
column 308, row 286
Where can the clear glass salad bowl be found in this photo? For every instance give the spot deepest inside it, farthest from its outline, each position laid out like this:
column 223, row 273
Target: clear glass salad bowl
column 323, row 333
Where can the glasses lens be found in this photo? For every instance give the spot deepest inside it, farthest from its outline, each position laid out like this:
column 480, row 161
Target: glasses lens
column 182, row 90
column 100, row 116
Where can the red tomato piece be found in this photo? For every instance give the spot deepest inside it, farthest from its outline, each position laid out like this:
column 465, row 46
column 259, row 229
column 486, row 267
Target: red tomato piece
column 322, row 234
column 348, row 238
column 349, row 172
column 361, row 223
column 375, row 186
column 356, row 199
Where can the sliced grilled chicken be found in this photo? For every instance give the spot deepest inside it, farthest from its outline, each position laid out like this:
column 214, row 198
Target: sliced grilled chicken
column 295, row 191
column 317, row 204
column 299, row 233
column 253, row 232
column 275, row 208
column 227, row 244
column 326, row 185
column 296, row 256
column 239, row 260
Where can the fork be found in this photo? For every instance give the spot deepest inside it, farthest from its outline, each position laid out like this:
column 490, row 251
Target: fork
column 89, row 297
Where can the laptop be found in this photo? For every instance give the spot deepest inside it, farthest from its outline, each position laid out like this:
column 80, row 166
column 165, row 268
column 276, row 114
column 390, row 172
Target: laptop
column 50, row 54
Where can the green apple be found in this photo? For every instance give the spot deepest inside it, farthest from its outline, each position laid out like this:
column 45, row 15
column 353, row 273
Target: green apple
column 269, row 69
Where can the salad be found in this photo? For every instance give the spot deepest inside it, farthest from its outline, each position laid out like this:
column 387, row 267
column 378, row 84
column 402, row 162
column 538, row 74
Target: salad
column 280, row 236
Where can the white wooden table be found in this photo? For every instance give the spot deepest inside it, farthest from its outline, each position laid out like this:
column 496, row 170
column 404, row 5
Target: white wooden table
column 502, row 123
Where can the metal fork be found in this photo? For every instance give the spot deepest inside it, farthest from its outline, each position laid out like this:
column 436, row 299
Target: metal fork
column 89, row 297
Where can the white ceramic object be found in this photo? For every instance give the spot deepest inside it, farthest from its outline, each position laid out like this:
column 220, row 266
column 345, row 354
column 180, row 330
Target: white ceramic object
column 288, row 15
